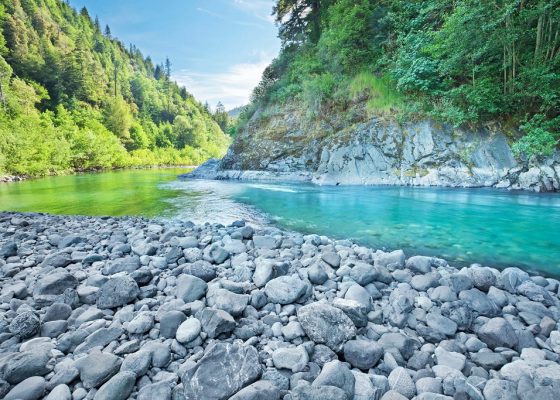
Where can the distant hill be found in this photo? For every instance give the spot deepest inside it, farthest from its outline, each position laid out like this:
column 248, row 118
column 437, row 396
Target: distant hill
column 75, row 98
column 234, row 112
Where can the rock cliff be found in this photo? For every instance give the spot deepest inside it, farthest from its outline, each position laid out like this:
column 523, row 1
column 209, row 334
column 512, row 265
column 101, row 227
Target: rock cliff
column 283, row 143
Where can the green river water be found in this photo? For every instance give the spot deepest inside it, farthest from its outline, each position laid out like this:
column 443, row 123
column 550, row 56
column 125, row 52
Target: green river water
column 492, row 227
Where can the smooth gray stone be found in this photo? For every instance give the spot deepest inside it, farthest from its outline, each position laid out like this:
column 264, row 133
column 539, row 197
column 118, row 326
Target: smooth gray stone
column 26, row 364
column 224, row 370
column 100, row 338
column 479, row 302
column 228, row 301
column 362, row 354
column 57, row 312
column 190, row 288
column 138, row 363
column 331, row 258
column 318, row 393
column 30, row 389
column 55, row 283
column 285, row 290
column 169, row 322
column 260, row 390
column 291, row 358
column 335, row 373
column 317, row 275
column 53, row 329
column 118, row 387
column 188, row 330
column 97, row 368
column 60, row 392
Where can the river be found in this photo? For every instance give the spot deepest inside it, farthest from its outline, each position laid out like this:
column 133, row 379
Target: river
column 492, row 227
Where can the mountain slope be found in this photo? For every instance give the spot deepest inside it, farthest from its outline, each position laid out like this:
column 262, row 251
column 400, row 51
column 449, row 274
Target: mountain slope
column 74, row 98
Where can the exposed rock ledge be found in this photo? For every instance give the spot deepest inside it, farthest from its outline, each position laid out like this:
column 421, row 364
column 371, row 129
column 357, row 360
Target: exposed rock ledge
column 378, row 152
column 129, row 308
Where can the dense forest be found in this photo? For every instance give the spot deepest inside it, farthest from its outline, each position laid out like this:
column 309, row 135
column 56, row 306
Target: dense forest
column 73, row 98
column 458, row 62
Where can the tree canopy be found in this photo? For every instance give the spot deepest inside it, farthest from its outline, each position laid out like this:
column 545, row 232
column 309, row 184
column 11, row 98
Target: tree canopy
column 465, row 61
column 75, row 98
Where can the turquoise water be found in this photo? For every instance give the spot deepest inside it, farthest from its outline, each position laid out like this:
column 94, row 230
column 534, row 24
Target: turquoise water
column 492, row 227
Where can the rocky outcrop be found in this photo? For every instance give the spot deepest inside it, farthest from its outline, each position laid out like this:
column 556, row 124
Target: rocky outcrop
column 285, row 145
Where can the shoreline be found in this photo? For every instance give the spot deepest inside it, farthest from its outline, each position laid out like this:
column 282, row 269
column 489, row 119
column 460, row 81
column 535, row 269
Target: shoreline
column 21, row 178
column 131, row 307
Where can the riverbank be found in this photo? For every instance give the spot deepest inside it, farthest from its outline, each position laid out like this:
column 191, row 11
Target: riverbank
column 117, row 308
column 21, row 178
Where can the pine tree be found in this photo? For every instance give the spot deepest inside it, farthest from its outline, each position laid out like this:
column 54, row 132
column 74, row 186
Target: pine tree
column 107, row 31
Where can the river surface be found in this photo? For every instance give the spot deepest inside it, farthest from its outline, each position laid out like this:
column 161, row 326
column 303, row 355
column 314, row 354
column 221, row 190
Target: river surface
column 492, row 227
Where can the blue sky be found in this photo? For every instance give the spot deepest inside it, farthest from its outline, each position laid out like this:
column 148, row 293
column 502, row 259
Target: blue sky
column 218, row 48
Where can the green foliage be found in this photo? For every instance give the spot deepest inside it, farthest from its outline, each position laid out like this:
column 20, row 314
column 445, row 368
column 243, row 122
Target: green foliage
column 466, row 61
column 76, row 99
column 380, row 91
column 540, row 140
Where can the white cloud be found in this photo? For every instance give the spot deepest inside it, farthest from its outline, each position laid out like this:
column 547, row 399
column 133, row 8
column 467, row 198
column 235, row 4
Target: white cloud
column 262, row 9
column 232, row 87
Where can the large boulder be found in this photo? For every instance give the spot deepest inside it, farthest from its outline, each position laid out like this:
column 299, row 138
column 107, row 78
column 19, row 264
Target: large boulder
column 190, row 288
column 285, row 290
column 497, row 332
column 25, row 325
column 55, row 283
column 224, row 370
column 326, row 324
column 20, row 366
column 117, row 292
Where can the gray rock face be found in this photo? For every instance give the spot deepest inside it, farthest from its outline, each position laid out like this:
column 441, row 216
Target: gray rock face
column 117, row 292
column 222, row 371
column 25, row 325
column 375, row 151
column 285, row 289
column 497, row 332
column 318, row 393
column 326, row 324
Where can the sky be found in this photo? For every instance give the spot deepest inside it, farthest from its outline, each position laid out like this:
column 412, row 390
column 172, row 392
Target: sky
column 218, row 48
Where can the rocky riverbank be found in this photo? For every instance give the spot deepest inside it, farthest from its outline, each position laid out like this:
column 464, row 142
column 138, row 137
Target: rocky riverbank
column 129, row 308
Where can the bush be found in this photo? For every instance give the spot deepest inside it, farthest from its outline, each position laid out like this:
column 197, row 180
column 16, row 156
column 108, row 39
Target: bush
column 539, row 142
column 317, row 90
column 381, row 92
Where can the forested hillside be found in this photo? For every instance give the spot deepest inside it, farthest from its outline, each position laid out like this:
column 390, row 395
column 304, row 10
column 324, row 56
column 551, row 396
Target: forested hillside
column 460, row 62
column 72, row 97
